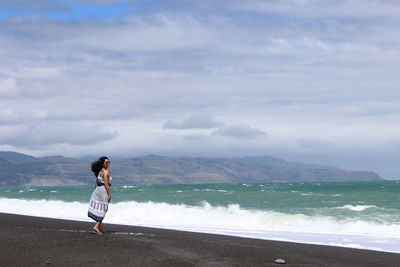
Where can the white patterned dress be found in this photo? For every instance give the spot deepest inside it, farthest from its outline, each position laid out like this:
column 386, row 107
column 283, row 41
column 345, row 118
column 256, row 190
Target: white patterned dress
column 98, row 204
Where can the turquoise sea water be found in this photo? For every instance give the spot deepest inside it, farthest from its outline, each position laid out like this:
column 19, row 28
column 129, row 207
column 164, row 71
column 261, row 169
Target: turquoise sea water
column 375, row 201
column 338, row 208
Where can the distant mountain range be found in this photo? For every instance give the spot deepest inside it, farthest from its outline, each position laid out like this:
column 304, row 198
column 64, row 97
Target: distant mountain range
column 18, row 169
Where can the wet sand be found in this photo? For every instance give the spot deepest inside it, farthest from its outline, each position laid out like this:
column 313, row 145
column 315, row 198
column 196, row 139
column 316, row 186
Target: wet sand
column 35, row 241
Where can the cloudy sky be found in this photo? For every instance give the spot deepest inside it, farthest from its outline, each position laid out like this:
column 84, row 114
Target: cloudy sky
column 305, row 80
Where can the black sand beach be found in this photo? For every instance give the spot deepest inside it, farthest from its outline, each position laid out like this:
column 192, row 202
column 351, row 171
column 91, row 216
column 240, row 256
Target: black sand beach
column 34, row 241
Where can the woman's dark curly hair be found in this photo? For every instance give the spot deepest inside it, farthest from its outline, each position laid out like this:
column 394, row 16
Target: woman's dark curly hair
column 98, row 165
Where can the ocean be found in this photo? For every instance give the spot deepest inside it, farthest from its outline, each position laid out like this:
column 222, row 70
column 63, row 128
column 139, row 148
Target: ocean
column 362, row 215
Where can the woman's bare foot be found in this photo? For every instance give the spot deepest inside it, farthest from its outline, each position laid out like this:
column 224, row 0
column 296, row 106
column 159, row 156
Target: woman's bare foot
column 98, row 231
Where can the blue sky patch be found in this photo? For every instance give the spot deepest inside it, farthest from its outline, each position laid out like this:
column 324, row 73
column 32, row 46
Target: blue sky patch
column 73, row 11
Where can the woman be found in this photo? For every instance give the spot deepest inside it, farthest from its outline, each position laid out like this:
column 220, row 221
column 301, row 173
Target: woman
column 101, row 196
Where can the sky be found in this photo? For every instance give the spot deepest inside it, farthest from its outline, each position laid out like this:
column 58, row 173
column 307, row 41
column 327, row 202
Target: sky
column 313, row 81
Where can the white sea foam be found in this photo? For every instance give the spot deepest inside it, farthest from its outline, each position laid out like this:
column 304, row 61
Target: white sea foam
column 230, row 220
column 211, row 190
column 357, row 207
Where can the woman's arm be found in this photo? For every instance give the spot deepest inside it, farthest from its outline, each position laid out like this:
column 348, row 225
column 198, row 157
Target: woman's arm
column 105, row 176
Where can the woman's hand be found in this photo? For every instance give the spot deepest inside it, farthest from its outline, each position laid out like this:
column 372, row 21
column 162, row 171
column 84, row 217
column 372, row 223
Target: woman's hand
column 109, row 198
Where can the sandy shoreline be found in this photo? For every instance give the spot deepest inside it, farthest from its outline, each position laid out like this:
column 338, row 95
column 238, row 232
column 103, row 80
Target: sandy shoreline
column 35, row 241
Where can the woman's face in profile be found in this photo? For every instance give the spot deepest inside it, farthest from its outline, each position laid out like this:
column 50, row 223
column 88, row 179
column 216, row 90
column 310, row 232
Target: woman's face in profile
column 106, row 163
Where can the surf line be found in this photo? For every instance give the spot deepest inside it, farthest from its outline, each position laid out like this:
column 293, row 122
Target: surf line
column 88, row 231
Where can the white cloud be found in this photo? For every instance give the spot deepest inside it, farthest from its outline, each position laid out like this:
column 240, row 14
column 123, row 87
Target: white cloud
column 8, row 87
column 239, row 131
column 50, row 133
column 351, row 9
column 38, row 72
column 194, row 122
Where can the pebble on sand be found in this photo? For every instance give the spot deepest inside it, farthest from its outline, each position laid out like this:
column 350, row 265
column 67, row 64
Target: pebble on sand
column 280, row 261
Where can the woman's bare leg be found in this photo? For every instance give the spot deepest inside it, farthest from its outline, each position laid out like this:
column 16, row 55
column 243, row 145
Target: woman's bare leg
column 101, row 228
